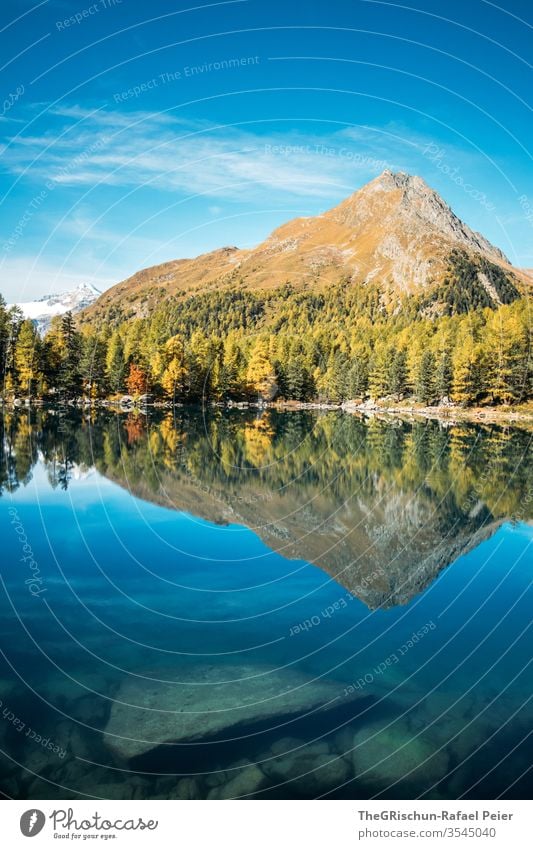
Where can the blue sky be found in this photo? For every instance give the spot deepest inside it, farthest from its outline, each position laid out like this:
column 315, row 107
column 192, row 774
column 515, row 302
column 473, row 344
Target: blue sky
column 135, row 133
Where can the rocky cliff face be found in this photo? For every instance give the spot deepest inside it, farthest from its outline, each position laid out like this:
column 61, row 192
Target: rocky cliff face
column 396, row 230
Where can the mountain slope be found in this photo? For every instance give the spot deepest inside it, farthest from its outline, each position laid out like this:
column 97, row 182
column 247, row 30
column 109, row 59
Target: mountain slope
column 395, row 231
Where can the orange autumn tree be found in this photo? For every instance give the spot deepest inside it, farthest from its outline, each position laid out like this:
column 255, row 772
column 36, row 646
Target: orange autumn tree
column 134, row 427
column 136, row 381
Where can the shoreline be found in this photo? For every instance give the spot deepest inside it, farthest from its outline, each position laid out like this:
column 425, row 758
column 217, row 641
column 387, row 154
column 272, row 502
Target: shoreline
column 448, row 413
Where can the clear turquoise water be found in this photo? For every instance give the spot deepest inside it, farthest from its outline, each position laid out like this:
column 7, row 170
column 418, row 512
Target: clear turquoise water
column 129, row 589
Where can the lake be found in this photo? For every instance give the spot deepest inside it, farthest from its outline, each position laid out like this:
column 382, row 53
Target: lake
column 236, row 604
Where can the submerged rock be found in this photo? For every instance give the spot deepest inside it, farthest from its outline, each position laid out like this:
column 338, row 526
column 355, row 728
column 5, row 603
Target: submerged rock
column 215, row 778
column 315, row 768
column 212, row 700
column 286, row 744
column 187, row 788
column 383, row 756
column 90, row 710
column 246, row 781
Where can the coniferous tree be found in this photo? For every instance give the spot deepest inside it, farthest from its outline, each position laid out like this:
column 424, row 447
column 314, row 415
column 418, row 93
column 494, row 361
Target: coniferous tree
column 506, row 357
column 233, row 366
column 14, row 321
column 69, row 378
column 336, row 376
column 297, row 380
column 467, row 371
column 357, row 378
column 115, row 364
column 93, row 366
column 173, row 377
column 4, row 337
column 398, row 372
column 379, row 373
column 27, row 358
column 260, row 374
column 214, row 357
column 443, row 375
column 425, row 385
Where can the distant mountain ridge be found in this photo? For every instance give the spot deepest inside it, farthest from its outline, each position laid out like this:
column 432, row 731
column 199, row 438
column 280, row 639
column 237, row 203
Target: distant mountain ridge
column 42, row 310
column 395, row 231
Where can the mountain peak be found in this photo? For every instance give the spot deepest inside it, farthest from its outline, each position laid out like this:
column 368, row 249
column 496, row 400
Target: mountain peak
column 404, row 203
column 87, row 287
column 405, row 187
column 398, row 179
column 42, row 310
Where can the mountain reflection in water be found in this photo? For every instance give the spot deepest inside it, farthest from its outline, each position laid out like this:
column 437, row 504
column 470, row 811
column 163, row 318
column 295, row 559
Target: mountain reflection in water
column 325, row 689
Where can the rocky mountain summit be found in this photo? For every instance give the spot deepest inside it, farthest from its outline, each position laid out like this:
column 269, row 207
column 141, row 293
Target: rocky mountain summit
column 402, row 204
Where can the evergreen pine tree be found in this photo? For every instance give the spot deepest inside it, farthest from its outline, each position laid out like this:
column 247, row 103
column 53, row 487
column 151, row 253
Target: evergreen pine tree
column 70, row 381
column 425, row 386
column 298, row 381
column 357, row 378
column 93, row 366
column 115, row 364
column 443, row 375
column 398, row 372
column 14, row 321
column 231, row 374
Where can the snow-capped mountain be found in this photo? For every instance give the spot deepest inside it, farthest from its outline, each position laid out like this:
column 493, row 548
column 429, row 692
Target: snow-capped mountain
column 44, row 309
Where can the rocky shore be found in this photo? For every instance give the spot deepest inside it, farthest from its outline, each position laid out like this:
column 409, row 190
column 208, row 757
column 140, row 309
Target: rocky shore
column 446, row 411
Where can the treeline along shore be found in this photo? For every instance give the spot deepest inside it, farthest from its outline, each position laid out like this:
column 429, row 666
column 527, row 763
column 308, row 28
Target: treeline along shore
column 339, row 347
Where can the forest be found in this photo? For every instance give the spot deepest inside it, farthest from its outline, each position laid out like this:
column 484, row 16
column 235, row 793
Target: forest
column 334, row 345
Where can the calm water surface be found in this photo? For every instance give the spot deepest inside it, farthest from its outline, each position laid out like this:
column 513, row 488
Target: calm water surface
column 279, row 605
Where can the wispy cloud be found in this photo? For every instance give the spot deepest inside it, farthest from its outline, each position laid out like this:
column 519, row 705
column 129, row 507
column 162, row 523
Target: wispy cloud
column 89, row 148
